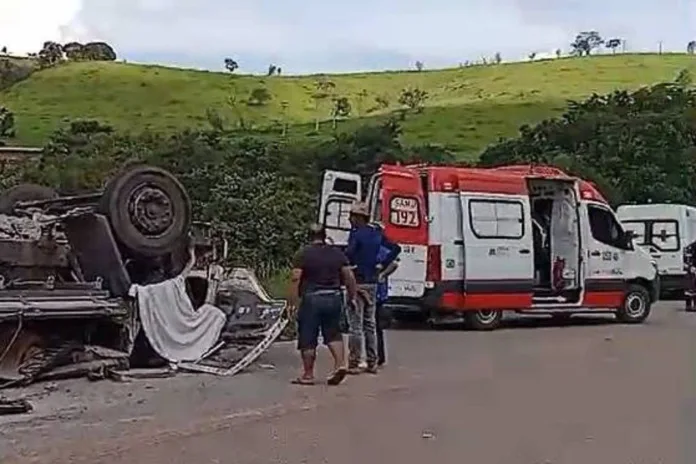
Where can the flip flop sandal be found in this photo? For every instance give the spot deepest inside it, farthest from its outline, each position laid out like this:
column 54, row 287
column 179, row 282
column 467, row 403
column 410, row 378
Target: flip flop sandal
column 337, row 376
column 302, row 381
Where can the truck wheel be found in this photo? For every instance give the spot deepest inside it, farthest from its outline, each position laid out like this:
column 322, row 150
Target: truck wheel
column 148, row 209
column 636, row 305
column 24, row 192
column 488, row 319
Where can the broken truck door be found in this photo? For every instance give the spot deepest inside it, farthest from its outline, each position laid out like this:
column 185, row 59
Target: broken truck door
column 338, row 192
column 498, row 251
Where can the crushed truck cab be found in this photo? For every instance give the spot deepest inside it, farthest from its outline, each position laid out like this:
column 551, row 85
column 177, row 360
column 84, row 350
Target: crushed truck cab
column 478, row 242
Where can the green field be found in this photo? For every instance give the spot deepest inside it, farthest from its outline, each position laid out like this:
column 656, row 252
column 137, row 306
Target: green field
column 467, row 107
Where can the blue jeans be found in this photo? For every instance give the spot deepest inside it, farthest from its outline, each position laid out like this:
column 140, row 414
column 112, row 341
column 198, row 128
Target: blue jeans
column 320, row 311
column 363, row 325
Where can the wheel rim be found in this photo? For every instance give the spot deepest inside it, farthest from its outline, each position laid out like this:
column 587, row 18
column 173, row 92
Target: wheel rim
column 635, row 305
column 487, row 316
column 150, row 210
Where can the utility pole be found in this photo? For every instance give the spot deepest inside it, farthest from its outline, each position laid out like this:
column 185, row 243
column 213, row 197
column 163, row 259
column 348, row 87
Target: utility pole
column 623, row 46
column 659, row 48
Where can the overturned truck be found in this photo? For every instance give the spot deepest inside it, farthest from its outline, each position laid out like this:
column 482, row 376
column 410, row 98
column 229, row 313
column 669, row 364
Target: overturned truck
column 121, row 278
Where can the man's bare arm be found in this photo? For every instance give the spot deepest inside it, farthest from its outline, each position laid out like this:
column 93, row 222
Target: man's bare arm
column 348, row 279
column 294, row 293
column 389, row 270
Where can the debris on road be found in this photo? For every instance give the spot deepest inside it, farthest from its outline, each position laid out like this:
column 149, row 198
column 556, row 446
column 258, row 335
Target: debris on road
column 20, row 406
column 99, row 285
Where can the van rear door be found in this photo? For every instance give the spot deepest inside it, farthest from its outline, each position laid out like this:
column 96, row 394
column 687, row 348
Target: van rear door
column 498, row 243
column 338, row 192
column 402, row 210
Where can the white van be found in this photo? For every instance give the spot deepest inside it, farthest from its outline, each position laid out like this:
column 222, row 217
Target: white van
column 664, row 231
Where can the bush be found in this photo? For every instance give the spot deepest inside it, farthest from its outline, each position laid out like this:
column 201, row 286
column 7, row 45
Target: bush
column 260, row 192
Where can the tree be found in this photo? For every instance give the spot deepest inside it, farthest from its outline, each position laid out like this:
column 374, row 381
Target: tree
column 585, row 42
column 283, row 114
column 419, row 66
column 341, row 109
column 382, row 102
column 279, row 71
column 684, row 78
column 637, row 146
column 98, row 51
column 259, row 97
column 413, row 99
column 7, row 124
column 691, row 47
column 531, row 56
column 271, row 69
column 497, row 58
column 558, row 53
column 231, row 65
column 323, row 88
column 3, row 50
column 362, row 95
column 50, row 54
column 233, row 101
column 74, row 51
column 613, row 44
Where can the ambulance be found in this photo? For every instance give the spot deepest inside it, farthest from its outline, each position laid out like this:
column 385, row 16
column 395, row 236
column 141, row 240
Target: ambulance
column 664, row 231
column 478, row 242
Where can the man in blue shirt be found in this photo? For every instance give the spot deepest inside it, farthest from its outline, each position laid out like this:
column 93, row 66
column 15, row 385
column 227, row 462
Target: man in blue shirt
column 382, row 296
column 364, row 243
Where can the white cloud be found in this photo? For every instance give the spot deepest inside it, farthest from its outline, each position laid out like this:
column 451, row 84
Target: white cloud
column 307, row 35
column 26, row 24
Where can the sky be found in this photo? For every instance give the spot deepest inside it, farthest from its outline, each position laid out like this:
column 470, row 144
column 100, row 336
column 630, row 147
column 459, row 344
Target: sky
column 307, row 36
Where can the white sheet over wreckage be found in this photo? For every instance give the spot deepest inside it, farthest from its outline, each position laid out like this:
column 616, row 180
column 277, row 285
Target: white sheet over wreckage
column 176, row 330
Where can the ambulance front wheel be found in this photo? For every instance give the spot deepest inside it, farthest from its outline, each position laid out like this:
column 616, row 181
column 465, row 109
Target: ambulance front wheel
column 485, row 319
column 636, row 305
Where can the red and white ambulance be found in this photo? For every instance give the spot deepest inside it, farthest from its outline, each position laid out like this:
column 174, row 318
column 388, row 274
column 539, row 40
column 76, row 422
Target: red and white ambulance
column 477, row 242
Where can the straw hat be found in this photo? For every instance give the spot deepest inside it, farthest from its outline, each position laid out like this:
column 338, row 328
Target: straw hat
column 360, row 209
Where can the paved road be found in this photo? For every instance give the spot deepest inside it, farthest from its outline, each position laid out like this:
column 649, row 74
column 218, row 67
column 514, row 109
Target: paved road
column 534, row 393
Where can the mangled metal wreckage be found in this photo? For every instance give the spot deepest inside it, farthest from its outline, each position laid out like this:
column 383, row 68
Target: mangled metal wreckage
column 98, row 284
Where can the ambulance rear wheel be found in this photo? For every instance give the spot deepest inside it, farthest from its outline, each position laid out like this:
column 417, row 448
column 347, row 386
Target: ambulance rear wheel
column 484, row 319
column 636, row 305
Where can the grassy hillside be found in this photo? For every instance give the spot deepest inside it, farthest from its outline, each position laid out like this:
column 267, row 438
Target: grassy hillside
column 467, row 109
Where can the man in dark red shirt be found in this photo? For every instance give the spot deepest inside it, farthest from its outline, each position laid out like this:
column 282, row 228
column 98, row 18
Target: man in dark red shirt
column 319, row 271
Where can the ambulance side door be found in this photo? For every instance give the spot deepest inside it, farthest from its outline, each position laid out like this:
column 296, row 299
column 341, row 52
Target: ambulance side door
column 498, row 250
column 606, row 251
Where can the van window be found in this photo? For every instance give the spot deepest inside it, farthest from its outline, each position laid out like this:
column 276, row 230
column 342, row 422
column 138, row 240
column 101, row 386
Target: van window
column 497, row 218
column 404, row 211
column 348, row 186
column 337, row 215
column 604, row 226
column 664, row 235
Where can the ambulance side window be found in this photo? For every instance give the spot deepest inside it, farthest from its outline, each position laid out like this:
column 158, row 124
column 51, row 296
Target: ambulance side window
column 497, row 218
column 604, row 226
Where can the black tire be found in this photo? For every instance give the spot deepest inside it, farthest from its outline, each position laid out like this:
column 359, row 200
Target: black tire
column 148, row 209
column 484, row 319
column 24, row 192
column 636, row 305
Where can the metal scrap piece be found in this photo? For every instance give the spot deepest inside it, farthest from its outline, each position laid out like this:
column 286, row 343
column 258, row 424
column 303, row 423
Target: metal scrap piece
column 253, row 354
column 20, row 406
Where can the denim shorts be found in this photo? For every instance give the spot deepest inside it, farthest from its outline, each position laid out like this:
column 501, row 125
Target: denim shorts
column 320, row 312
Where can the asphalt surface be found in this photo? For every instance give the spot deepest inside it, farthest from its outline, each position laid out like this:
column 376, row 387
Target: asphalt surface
column 591, row 392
